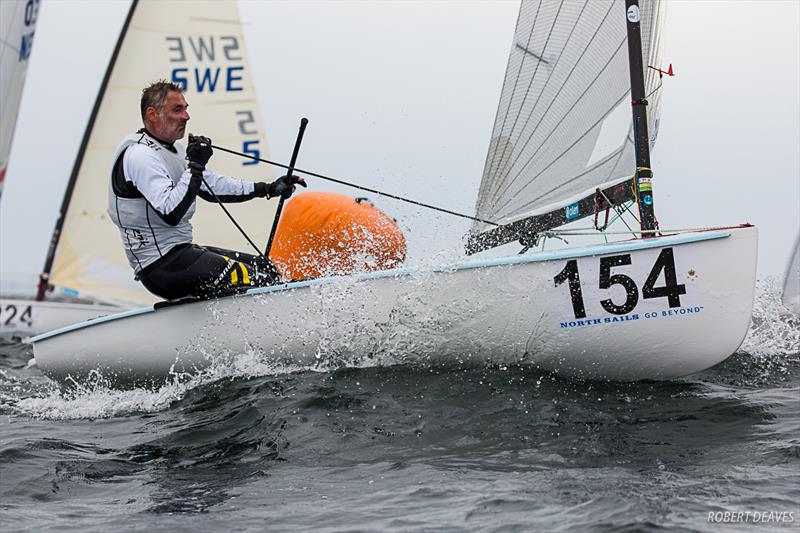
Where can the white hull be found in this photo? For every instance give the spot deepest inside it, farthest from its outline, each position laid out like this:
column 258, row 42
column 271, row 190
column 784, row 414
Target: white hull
column 29, row 317
column 503, row 311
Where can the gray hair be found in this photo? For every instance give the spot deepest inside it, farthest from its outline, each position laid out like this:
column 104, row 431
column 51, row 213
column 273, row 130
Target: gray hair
column 154, row 95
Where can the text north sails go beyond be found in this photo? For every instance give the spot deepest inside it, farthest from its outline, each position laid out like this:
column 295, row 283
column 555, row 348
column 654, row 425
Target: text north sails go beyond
column 635, row 316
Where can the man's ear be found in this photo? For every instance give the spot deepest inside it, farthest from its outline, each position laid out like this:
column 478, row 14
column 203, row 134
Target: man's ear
column 150, row 115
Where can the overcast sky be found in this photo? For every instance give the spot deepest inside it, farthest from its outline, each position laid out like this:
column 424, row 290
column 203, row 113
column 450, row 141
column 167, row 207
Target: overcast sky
column 401, row 96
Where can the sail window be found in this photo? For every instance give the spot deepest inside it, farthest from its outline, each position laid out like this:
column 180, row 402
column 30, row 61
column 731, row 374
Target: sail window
column 613, row 133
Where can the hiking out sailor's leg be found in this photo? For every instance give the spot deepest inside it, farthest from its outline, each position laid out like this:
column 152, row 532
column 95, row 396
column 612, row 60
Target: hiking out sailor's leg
column 262, row 271
column 196, row 271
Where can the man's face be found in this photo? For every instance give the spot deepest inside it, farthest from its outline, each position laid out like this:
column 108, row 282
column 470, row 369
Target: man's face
column 170, row 124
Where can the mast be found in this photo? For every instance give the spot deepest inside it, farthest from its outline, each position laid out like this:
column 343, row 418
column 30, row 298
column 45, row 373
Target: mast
column 643, row 182
column 62, row 213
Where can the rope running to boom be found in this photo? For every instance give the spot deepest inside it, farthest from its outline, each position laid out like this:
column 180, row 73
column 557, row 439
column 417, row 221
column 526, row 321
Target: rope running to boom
column 551, row 232
column 355, row 186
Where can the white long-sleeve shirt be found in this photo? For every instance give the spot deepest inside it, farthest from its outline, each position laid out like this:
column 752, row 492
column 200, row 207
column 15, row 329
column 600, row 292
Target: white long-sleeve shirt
column 152, row 196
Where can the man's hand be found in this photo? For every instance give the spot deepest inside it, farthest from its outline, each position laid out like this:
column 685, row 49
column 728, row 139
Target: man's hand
column 284, row 186
column 199, row 151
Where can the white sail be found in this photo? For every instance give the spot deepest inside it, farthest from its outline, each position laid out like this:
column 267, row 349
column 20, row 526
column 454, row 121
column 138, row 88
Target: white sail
column 17, row 26
column 563, row 125
column 791, row 280
column 200, row 45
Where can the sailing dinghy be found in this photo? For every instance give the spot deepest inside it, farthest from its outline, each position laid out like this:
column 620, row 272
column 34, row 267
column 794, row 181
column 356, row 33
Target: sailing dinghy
column 86, row 274
column 659, row 305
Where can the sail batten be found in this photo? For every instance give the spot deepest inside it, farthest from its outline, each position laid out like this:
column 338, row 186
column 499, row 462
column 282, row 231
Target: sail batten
column 557, row 131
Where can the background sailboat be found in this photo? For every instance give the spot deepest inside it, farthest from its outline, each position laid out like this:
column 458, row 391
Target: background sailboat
column 202, row 48
column 17, row 29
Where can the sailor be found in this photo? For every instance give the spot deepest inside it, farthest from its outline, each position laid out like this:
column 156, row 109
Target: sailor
column 155, row 182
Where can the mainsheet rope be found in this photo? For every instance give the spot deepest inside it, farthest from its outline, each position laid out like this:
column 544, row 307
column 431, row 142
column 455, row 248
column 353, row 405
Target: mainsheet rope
column 355, row 186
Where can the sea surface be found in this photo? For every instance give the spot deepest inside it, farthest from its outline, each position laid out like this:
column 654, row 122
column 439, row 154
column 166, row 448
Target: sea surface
column 411, row 448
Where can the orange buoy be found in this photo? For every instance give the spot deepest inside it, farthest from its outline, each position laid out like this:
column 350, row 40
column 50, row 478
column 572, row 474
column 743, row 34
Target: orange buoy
column 324, row 233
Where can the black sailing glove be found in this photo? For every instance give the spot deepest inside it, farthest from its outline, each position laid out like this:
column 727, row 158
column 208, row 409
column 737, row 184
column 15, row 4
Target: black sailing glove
column 283, row 187
column 198, row 152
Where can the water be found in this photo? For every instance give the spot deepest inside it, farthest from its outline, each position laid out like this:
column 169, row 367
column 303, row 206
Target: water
column 410, row 447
